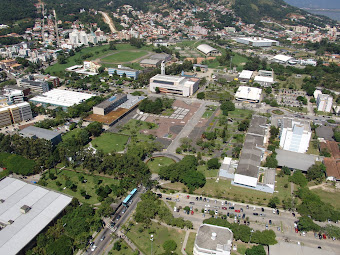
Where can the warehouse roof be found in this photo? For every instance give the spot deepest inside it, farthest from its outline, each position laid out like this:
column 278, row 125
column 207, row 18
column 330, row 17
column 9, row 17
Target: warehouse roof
column 110, row 101
column 263, row 79
column 245, row 74
column 282, row 58
column 39, row 132
column 250, row 93
column 64, row 98
column 295, row 160
column 223, row 237
column 20, row 228
column 205, row 48
column 148, row 61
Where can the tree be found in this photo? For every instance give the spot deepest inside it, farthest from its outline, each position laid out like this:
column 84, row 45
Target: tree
column 194, row 179
column 157, row 90
column 298, row 178
column 332, row 231
column 273, row 202
column 271, row 161
column 169, row 245
column 117, row 246
column 286, row 170
column 306, row 224
column 95, row 128
column 256, row 250
column 228, row 106
column 201, row 95
column 112, row 46
column 213, row 163
column 316, row 172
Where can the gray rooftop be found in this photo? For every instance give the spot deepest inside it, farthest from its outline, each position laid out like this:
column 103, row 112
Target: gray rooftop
column 45, row 206
column 110, row 101
column 295, row 160
column 148, row 61
column 325, row 132
column 160, row 56
column 39, row 132
column 224, row 237
column 288, row 123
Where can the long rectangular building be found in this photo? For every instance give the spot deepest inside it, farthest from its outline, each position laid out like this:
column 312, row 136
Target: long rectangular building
column 257, row 41
column 15, row 113
column 25, row 210
column 108, row 105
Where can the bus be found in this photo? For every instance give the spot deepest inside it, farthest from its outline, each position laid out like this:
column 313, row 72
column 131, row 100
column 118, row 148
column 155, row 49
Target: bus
column 128, row 199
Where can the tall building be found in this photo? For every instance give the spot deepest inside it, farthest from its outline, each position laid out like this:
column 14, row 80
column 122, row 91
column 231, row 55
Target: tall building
column 108, row 105
column 295, row 135
column 34, row 84
column 324, row 102
column 14, row 96
column 131, row 73
column 15, row 113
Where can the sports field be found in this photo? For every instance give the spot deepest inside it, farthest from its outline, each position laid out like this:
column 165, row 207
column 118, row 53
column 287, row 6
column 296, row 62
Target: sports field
column 124, row 56
column 109, row 142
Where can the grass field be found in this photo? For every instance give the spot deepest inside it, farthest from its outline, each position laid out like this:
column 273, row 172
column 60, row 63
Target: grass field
column 207, row 114
column 133, row 127
column 279, row 186
column 160, row 233
column 109, row 142
column 124, row 56
column 89, row 186
column 329, row 197
column 311, row 149
column 207, row 173
column 239, row 61
column 156, row 163
column 189, row 248
column 128, row 52
column 125, row 250
column 71, row 133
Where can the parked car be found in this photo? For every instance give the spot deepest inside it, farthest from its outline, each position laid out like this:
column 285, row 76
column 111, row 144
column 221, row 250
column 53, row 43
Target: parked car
column 159, row 195
column 255, row 213
column 231, row 207
column 262, row 209
column 224, row 208
column 237, row 211
column 192, row 203
column 168, row 198
column 93, row 248
column 270, row 222
column 102, row 238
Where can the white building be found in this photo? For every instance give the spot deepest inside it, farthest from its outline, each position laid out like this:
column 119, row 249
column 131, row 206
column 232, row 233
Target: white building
column 295, row 135
column 14, row 95
column 264, row 81
column 257, row 41
column 324, row 102
column 208, row 50
column 62, row 98
column 78, row 38
column 281, row 59
column 25, row 210
column 308, row 62
column 211, row 239
column 249, row 94
column 245, row 76
column 177, row 85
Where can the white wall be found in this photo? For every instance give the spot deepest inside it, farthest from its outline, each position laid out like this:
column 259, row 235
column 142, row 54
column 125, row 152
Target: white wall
column 245, row 180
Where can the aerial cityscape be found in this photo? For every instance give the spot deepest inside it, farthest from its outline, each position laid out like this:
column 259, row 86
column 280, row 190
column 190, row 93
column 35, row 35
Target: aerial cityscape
column 169, row 127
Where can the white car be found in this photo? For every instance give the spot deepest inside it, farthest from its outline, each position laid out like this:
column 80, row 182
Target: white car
column 274, row 211
column 93, row 247
column 207, row 205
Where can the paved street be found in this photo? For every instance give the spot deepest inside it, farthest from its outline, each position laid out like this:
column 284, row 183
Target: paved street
column 285, row 220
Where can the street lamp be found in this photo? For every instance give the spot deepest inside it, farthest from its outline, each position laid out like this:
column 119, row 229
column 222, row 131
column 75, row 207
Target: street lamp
column 151, row 239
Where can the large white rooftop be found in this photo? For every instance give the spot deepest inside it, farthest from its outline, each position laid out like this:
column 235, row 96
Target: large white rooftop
column 45, row 206
column 282, row 58
column 257, row 39
column 172, row 78
column 205, row 48
column 248, row 93
column 246, row 74
column 263, row 79
column 64, row 98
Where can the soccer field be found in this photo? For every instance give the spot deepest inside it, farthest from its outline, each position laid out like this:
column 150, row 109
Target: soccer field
column 124, row 56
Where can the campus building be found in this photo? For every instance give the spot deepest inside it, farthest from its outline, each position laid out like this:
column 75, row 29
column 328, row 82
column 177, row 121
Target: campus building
column 41, row 133
column 15, row 113
column 61, row 98
column 25, row 210
column 130, row 73
column 295, row 135
column 207, row 50
column 171, row 84
column 108, row 105
column 211, row 239
column 36, row 85
column 324, row 102
column 257, row 41
column 245, row 76
column 248, row 94
column 282, row 59
column 14, row 96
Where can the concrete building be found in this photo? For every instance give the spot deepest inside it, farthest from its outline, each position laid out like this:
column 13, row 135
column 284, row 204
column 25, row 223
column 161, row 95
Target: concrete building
column 14, row 96
column 324, row 102
column 41, row 133
column 60, row 97
column 264, row 81
column 208, row 50
column 15, row 113
column 25, row 210
column 245, row 76
column 161, row 56
column 248, row 94
column 295, row 160
column 130, row 73
column 147, row 62
column 257, row 41
column 211, row 239
column 308, row 62
column 295, row 135
column 108, row 105
column 34, row 84
column 281, row 59
column 177, row 85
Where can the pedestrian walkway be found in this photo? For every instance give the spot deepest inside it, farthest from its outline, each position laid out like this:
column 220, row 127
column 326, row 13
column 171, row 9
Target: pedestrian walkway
column 186, row 240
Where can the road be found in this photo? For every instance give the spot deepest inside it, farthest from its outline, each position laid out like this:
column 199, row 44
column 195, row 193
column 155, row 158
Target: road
column 103, row 245
column 285, row 220
column 108, row 21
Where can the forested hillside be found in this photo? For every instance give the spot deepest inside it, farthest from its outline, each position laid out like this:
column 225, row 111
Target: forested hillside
column 12, row 10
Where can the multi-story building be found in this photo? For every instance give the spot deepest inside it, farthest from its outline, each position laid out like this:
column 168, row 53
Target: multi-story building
column 295, row 134
column 14, row 95
column 108, row 105
column 5, row 117
column 15, row 113
column 324, row 102
column 257, row 41
column 34, row 84
column 131, row 73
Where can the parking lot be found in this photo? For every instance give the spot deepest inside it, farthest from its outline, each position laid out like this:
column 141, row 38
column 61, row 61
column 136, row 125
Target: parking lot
column 288, row 97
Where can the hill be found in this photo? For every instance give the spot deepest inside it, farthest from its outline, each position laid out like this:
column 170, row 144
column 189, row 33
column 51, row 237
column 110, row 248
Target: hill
column 315, row 4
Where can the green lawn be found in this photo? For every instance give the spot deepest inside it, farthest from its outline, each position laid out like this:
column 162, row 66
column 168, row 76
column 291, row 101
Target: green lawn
column 89, row 186
column 141, row 237
column 190, row 244
column 312, row 149
column 133, row 127
column 125, row 250
column 156, row 163
column 239, row 61
column 239, row 113
column 279, row 186
column 207, row 114
column 208, row 173
column 124, row 56
column 109, row 142
column 329, row 197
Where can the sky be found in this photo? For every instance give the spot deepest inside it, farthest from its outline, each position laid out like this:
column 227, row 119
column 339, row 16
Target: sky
column 318, row 4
